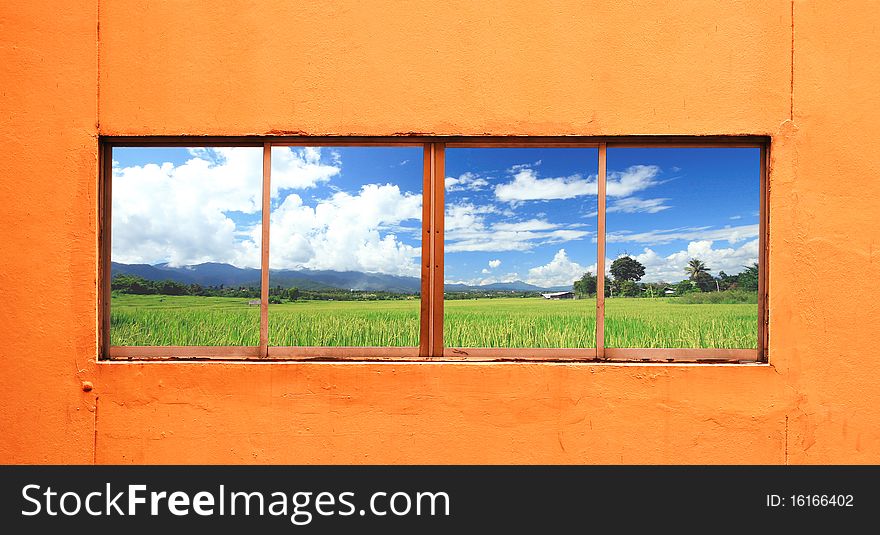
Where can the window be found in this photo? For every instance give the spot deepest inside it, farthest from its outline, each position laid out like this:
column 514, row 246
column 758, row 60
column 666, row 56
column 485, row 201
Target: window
column 434, row 249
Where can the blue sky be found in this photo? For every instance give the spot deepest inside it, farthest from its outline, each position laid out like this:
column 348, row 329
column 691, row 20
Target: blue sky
column 512, row 214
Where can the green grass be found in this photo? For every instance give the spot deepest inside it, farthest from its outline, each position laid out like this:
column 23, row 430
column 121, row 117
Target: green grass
column 667, row 322
column 518, row 322
column 162, row 320
column 504, row 322
column 345, row 323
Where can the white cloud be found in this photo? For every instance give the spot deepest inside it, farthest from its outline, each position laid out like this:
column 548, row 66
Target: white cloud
column 730, row 234
column 492, row 265
column 735, row 217
column 635, row 178
column 179, row 214
column 632, row 205
column 518, row 167
column 527, row 186
column 521, row 226
column 346, row 232
column 300, row 168
column 561, row 271
column 468, row 230
column 670, row 268
column 465, row 181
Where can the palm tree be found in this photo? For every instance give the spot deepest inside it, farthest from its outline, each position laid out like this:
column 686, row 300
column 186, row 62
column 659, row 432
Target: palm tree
column 695, row 267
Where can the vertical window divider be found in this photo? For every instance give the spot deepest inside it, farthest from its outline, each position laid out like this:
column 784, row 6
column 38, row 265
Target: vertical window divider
column 600, row 252
column 763, row 212
column 426, row 311
column 438, row 174
column 105, row 205
column 264, row 246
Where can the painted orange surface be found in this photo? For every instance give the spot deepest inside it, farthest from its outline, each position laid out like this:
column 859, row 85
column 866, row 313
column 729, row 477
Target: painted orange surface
column 501, row 68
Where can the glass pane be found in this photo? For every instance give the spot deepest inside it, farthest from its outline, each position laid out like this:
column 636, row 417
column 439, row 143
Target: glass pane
column 520, row 231
column 185, row 240
column 345, row 246
column 682, row 248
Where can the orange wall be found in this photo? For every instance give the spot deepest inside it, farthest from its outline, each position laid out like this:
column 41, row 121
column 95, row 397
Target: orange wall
column 533, row 68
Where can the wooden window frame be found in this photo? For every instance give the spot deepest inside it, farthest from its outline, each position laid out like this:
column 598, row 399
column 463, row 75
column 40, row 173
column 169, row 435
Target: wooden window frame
column 431, row 348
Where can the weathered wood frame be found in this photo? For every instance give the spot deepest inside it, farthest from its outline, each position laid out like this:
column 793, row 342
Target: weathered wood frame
column 431, row 346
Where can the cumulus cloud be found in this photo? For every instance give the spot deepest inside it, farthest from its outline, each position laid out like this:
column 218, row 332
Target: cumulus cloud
column 494, row 263
column 730, row 234
column 465, row 181
column 180, row 214
column 670, row 268
column 561, row 271
column 346, row 232
column 527, row 186
column 467, row 229
column 301, row 168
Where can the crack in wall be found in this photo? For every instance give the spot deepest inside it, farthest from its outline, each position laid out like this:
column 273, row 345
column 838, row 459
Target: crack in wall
column 786, row 440
column 95, row 431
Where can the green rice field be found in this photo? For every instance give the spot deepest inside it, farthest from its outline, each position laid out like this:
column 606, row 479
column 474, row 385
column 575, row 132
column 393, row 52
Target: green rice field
column 140, row 320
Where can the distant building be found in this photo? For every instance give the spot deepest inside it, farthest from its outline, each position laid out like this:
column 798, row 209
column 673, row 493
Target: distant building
column 559, row 295
column 668, row 291
column 254, row 302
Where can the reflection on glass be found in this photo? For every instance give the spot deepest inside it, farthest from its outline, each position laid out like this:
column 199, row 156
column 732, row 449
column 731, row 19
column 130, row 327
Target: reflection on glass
column 185, row 246
column 345, row 246
column 682, row 248
column 520, row 247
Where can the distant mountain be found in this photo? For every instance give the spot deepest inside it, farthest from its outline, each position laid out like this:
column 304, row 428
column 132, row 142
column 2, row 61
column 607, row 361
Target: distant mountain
column 215, row 274
column 514, row 286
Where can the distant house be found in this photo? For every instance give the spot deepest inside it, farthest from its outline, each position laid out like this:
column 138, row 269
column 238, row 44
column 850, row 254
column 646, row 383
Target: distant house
column 668, row 291
column 558, row 295
column 254, row 302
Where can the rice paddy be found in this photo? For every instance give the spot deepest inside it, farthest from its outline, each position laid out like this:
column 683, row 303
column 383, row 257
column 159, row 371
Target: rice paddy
column 140, row 320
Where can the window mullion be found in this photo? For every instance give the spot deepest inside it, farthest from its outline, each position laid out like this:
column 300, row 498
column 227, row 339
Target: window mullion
column 762, row 260
column 264, row 262
column 600, row 258
column 106, row 217
column 438, row 193
column 425, row 308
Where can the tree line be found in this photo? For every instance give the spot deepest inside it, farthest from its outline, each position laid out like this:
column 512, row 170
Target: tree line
column 626, row 272
column 136, row 285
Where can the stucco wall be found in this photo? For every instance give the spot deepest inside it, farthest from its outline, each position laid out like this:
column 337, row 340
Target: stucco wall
column 545, row 68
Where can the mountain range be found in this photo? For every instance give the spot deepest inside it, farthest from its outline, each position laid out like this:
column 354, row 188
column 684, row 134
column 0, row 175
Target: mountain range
column 215, row 274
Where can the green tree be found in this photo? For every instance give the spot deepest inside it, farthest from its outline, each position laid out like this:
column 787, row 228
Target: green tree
column 705, row 282
column 695, row 267
column 132, row 284
column 628, row 288
column 727, row 282
column 293, row 293
column 627, row 268
column 748, row 279
column 586, row 285
column 684, row 287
